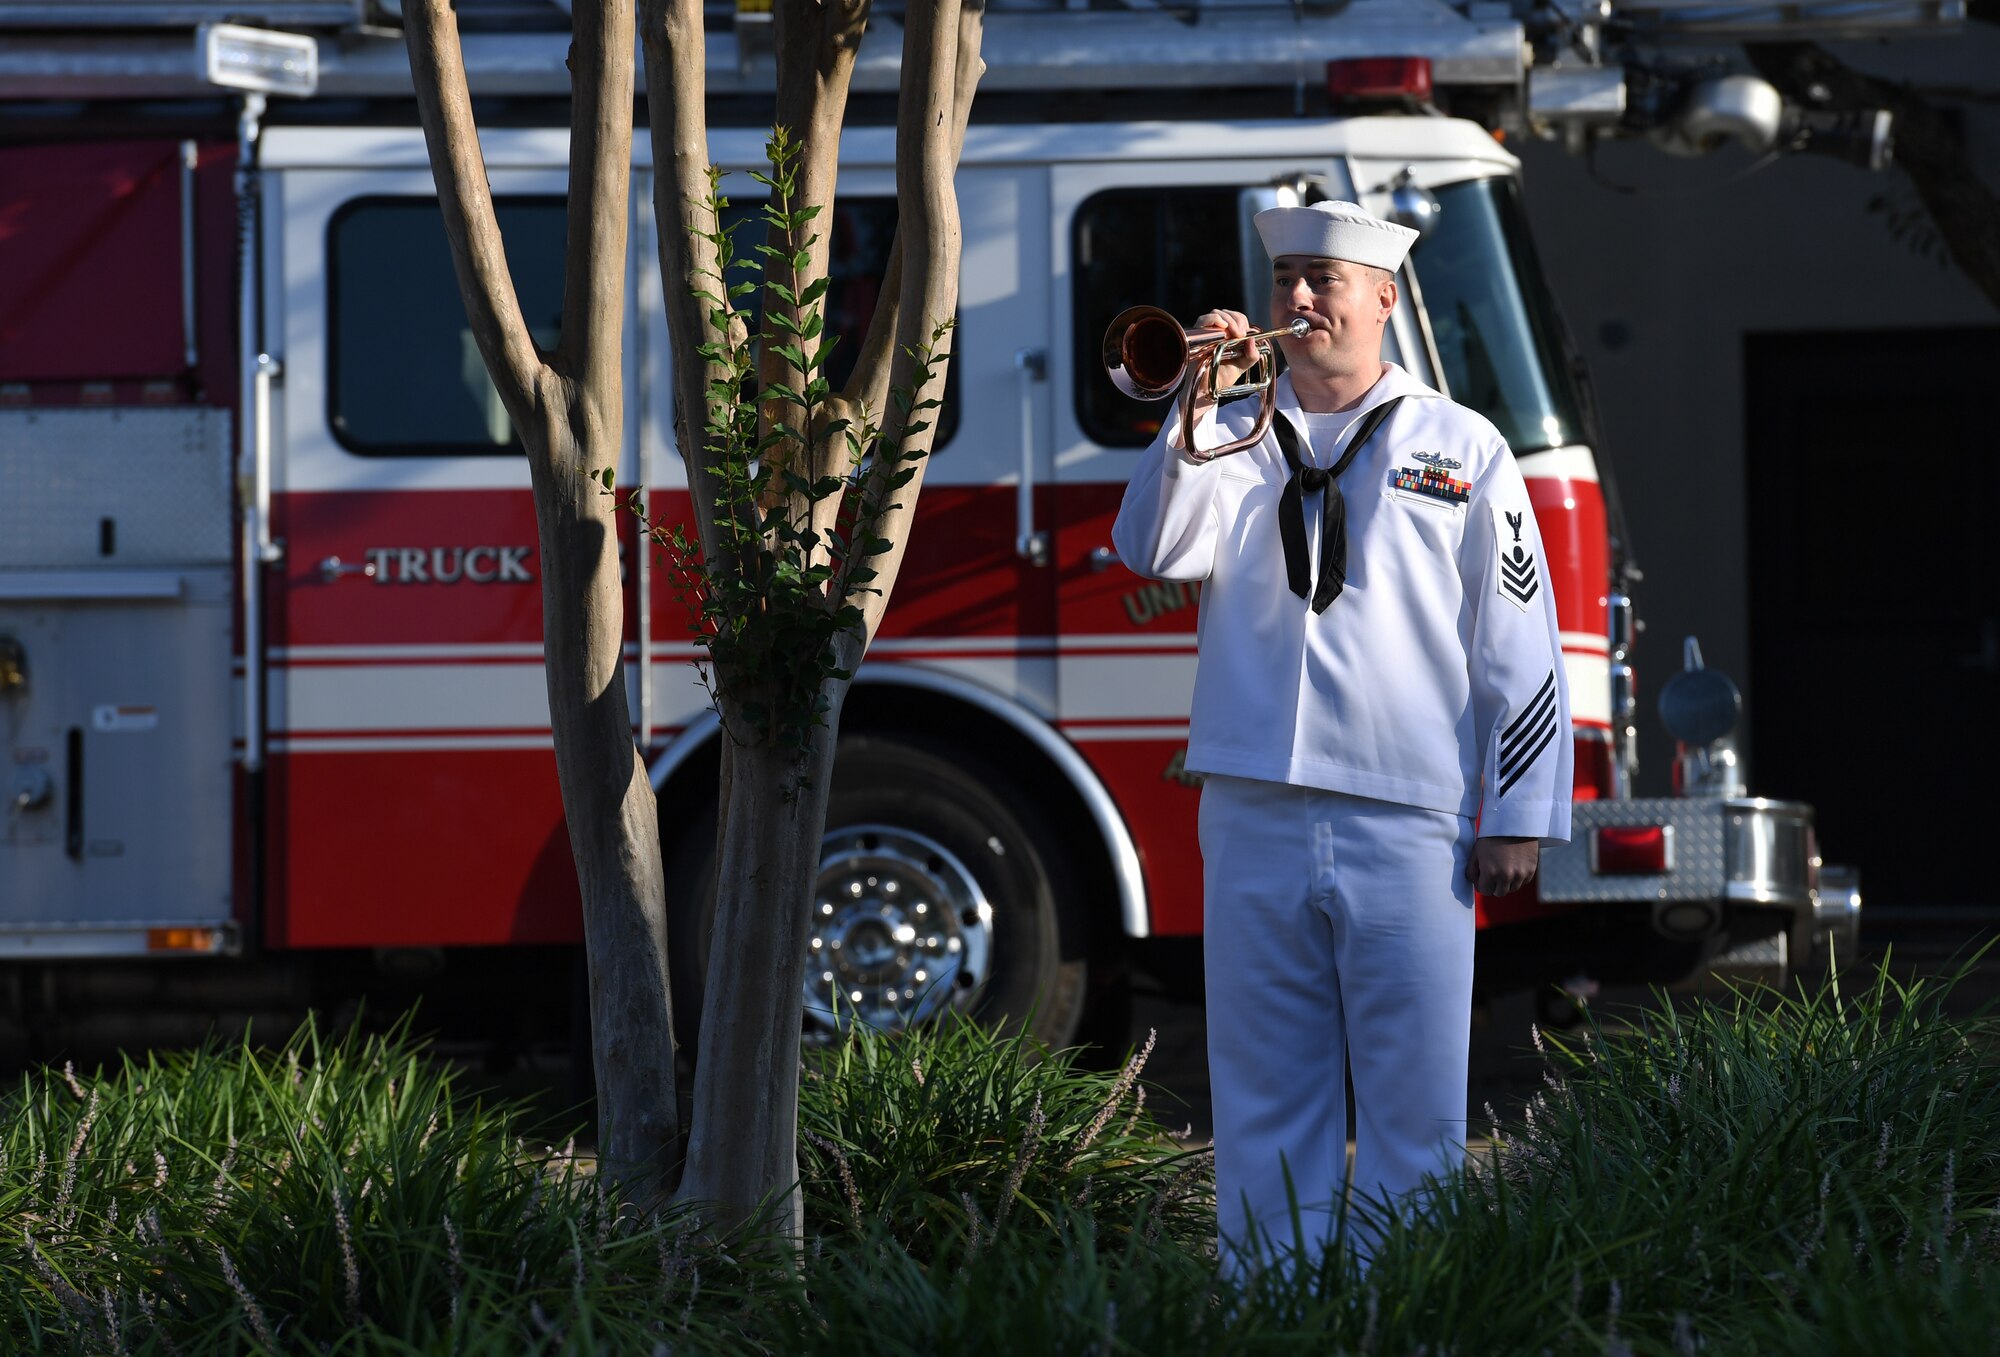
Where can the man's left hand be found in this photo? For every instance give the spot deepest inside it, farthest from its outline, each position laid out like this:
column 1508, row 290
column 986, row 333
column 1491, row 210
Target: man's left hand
column 1501, row 866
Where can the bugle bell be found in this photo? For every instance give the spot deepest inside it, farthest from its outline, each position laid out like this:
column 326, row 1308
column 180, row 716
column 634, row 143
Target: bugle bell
column 1148, row 355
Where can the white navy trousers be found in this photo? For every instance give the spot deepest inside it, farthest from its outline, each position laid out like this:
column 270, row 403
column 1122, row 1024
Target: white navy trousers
column 1338, row 931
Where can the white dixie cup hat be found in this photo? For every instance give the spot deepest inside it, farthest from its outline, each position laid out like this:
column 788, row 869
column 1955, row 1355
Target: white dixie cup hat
column 1331, row 230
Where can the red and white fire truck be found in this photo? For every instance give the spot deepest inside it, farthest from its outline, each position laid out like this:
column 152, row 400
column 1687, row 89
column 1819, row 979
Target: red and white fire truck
column 271, row 692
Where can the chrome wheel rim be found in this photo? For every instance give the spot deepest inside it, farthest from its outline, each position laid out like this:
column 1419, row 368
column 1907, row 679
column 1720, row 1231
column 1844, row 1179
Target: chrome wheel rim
column 900, row 931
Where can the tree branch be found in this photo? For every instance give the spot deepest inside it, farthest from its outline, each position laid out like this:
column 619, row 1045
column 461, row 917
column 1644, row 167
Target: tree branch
column 868, row 386
column 444, row 105
column 600, row 172
column 817, row 41
column 676, row 101
column 928, row 132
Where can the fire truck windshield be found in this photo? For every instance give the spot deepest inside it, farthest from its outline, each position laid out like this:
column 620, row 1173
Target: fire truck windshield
column 1494, row 319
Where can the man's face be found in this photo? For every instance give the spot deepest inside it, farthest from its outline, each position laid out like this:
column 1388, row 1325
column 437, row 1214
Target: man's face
column 1347, row 304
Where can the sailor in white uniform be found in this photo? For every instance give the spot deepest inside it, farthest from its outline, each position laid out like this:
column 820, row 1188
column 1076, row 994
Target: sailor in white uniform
column 1380, row 671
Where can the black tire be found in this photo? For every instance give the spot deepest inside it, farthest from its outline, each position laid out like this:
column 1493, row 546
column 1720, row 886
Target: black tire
column 1038, row 976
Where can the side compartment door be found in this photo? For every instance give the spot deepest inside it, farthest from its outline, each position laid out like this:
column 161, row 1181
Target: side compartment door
column 412, row 788
column 116, row 530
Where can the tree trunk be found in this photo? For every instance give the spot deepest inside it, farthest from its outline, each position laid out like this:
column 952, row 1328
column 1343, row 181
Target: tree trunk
column 608, row 803
column 569, row 409
column 743, row 1155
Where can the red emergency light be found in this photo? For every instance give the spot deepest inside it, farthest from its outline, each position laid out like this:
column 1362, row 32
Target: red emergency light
column 1379, row 78
column 1632, row 850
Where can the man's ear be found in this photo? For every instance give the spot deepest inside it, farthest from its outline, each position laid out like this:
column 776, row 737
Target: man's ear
column 1387, row 295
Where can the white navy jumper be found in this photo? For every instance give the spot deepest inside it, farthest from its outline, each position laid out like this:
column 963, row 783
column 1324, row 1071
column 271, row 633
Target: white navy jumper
column 1347, row 753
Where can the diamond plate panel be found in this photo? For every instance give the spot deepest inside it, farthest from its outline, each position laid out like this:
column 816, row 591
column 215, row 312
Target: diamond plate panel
column 1700, row 854
column 162, row 478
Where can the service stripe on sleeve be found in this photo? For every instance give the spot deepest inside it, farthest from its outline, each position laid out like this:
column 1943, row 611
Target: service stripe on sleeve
column 1524, row 739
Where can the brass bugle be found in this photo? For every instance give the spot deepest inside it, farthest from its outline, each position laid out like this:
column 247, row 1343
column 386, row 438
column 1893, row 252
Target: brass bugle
column 1149, row 355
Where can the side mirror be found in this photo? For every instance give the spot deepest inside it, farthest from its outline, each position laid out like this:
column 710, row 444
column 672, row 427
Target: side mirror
column 1411, row 204
column 1701, row 708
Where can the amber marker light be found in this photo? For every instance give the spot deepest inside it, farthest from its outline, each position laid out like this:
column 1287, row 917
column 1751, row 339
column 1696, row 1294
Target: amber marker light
column 180, row 939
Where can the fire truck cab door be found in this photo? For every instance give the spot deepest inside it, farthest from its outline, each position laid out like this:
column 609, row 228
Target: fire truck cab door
column 412, row 789
column 1174, row 232
column 970, row 603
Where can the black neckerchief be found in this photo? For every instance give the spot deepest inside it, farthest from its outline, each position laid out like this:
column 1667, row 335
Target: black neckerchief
column 1291, row 509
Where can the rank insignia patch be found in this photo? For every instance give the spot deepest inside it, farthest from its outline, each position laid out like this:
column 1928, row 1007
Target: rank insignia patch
column 1431, row 482
column 1520, row 580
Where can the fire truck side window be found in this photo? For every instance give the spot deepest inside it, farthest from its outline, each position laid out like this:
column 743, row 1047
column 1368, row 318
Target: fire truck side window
column 861, row 232
column 1493, row 316
column 405, row 377
column 1177, row 248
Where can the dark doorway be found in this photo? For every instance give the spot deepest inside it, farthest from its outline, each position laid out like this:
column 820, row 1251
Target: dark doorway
column 1875, row 600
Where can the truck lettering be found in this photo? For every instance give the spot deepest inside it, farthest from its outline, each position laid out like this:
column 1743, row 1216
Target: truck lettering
column 450, row 565
column 1149, row 601
column 512, row 567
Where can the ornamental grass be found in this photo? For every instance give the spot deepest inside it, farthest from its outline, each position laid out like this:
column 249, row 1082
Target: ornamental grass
column 1814, row 1173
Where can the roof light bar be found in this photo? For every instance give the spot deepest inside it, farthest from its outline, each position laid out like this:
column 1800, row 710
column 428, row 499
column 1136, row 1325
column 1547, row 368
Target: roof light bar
column 258, row 59
column 1379, row 78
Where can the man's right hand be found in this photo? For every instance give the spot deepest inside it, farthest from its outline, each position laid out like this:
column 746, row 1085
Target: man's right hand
column 1236, row 325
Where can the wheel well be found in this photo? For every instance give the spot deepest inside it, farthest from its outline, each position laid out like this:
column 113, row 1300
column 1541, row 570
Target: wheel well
column 948, row 725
